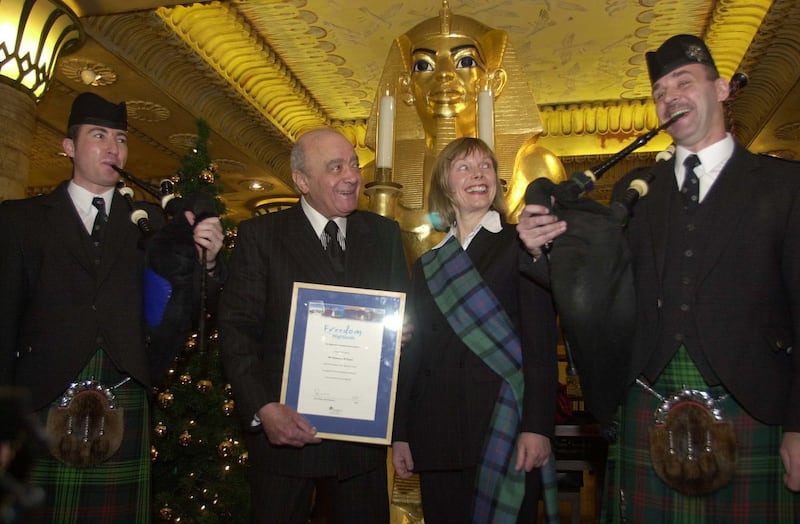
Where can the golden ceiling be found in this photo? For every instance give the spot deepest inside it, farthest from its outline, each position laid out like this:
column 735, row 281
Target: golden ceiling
column 261, row 71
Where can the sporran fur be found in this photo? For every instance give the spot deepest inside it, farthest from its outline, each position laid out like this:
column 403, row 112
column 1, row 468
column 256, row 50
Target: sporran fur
column 692, row 447
column 86, row 428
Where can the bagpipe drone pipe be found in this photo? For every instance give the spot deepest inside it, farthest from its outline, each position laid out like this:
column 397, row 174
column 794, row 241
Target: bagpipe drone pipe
column 591, row 277
column 173, row 298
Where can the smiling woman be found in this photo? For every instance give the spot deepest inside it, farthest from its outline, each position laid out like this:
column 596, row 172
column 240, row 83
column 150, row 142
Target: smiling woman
column 476, row 392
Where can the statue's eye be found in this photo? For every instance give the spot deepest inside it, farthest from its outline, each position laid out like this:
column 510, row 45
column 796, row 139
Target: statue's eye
column 466, row 62
column 422, row 66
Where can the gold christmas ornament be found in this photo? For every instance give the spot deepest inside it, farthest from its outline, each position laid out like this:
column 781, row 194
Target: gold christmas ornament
column 185, row 379
column 243, row 459
column 228, row 389
column 207, row 176
column 227, row 407
column 191, row 344
column 165, row 514
column 230, row 239
column 205, row 385
column 153, row 453
column 185, row 438
column 213, row 167
column 160, row 429
column 225, row 448
column 166, row 399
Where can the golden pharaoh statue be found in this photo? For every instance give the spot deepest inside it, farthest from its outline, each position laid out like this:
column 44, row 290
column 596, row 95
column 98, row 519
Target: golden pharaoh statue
column 437, row 70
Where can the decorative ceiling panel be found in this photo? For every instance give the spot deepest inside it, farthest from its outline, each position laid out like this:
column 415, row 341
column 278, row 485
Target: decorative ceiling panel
column 261, row 71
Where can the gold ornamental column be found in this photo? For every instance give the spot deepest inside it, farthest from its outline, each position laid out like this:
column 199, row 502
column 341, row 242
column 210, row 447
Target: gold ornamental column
column 33, row 34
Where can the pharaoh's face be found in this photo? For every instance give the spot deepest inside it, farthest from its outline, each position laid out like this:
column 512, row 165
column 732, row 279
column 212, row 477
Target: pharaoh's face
column 446, row 73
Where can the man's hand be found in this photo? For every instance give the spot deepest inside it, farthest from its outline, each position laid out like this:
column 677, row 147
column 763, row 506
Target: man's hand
column 401, row 459
column 538, row 227
column 790, row 454
column 286, row 427
column 207, row 234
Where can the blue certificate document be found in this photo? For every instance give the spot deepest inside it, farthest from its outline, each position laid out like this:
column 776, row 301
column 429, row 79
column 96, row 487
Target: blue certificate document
column 342, row 353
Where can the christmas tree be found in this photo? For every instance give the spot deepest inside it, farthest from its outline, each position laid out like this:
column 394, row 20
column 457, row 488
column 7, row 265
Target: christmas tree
column 199, row 459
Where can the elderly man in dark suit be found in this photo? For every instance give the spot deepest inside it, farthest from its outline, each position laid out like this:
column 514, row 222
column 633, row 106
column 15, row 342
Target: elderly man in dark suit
column 71, row 311
column 304, row 243
column 710, row 422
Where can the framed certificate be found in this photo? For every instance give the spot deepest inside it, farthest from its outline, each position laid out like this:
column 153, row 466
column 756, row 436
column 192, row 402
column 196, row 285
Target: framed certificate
column 342, row 354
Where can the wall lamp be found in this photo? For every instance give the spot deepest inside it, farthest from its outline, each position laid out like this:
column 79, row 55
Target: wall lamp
column 33, row 34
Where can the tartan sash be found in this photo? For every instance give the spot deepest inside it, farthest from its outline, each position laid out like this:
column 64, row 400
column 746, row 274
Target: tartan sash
column 479, row 320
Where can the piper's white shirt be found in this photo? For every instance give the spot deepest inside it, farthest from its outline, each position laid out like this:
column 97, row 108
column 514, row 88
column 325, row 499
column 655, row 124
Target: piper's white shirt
column 712, row 159
column 82, row 200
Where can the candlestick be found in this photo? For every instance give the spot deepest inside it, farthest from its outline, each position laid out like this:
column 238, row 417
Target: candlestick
column 486, row 117
column 385, row 138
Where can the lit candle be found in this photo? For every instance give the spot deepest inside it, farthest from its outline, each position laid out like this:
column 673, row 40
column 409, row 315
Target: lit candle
column 385, row 137
column 486, row 117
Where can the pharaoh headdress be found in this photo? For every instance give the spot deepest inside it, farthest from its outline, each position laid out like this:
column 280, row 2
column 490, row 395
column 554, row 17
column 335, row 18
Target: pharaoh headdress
column 516, row 114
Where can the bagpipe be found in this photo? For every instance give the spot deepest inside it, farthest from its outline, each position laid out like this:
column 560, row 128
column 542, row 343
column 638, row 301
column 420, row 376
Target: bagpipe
column 171, row 260
column 591, row 276
column 591, row 273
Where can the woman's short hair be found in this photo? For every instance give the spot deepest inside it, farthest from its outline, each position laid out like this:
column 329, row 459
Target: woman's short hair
column 441, row 205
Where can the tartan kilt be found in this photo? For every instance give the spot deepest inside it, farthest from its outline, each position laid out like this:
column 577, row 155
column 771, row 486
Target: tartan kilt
column 116, row 491
column 635, row 494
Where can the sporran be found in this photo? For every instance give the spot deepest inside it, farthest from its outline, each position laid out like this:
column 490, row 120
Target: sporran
column 86, row 427
column 693, row 448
